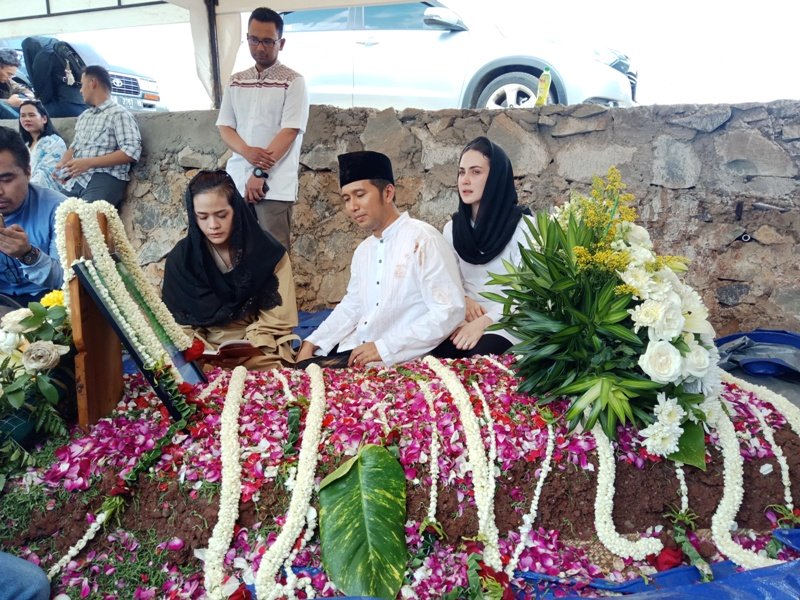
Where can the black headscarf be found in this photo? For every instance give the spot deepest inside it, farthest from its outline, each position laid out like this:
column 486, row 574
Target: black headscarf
column 196, row 292
column 498, row 213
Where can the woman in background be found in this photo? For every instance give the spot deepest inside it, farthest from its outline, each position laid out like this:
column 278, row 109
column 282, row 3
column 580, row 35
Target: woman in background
column 486, row 230
column 44, row 142
column 228, row 279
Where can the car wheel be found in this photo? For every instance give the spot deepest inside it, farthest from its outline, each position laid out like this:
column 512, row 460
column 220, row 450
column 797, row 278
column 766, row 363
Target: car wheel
column 512, row 90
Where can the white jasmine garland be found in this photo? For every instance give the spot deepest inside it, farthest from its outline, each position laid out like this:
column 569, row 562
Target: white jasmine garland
column 487, row 416
column 732, row 492
column 122, row 319
column 779, row 456
column 107, row 268
column 481, row 470
column 528, row 519
column 434, row 451
column 68, row 206
column 498, row 364
column 231, row 486
column 301, row 495
column 604, row 507
column 79, row 545
column 789, row 411
column 125, row 251
column 683, row 489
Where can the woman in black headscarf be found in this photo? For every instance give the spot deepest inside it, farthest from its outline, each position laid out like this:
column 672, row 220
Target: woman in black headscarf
column 228, row 279
column 486, row 230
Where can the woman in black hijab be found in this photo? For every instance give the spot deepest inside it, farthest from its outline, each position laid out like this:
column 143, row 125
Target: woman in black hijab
column 229, row 280
column 486, row 230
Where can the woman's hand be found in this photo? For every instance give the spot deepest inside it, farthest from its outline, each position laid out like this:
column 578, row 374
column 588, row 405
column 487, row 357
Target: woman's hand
column 466, row 337
column 474, row 310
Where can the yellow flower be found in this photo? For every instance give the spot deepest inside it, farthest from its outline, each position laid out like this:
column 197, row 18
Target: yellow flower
column 54, row 298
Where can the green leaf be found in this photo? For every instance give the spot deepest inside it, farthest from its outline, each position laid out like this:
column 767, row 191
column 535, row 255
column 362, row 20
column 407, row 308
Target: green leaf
column 621, row 333
column 362, row 517
column 15, row 398
column 55, row 313
column 48, row 389
column 691, row 446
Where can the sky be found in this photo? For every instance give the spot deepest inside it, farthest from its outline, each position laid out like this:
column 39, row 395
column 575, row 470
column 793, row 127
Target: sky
column 686, row 51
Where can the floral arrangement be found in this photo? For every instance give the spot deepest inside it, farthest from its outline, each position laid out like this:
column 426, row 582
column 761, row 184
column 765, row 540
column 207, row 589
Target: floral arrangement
column 603, row 317
column 33, row 341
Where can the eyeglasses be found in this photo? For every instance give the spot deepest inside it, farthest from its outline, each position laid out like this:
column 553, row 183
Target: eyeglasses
column 266, row 42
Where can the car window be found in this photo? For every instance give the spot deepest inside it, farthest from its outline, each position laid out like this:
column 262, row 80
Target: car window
column 329, row 19
column 396, row 16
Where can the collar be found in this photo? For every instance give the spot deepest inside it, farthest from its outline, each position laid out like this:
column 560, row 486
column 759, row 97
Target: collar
column 103, row 106
column 392, row 229
column 265, row 73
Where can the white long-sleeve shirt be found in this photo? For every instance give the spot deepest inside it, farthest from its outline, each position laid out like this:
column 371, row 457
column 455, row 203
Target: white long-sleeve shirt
column 475, row 277
column 404, row 294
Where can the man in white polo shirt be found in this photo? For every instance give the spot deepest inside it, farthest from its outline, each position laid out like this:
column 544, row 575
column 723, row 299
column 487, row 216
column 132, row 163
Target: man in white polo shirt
column 262, row 119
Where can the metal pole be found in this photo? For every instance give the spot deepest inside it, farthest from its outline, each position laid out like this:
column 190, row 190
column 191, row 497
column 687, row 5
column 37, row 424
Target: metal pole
column 214, row 48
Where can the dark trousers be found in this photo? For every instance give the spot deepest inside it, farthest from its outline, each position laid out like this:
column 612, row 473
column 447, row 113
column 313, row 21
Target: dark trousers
column 334, row 360
column 101, row 186
column 490, row 343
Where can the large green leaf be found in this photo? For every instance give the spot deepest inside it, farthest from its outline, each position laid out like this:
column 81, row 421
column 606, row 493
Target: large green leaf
column 691, row 446
column 362, row 517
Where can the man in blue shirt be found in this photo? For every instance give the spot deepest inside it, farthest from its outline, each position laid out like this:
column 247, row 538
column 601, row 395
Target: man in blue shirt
column 29, row 262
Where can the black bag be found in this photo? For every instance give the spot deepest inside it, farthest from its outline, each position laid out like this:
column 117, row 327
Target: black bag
column 73, row 63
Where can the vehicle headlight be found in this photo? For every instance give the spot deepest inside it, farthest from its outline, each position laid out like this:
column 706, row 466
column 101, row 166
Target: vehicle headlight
column 612, row 58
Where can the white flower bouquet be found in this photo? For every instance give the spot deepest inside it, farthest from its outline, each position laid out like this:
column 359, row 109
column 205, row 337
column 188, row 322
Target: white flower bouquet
column 602, row 317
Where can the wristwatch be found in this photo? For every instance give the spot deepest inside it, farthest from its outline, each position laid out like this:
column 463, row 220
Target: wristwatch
column 30, row 257
column 259, row 172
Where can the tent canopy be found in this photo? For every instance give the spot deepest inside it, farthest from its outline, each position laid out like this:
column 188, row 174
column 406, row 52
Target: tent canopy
column 216, row 24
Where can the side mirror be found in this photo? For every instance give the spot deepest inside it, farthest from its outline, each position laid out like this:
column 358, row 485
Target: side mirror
column 443, row 18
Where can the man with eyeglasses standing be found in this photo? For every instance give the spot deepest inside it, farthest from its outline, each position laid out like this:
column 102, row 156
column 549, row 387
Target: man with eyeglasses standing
column 29, row 262
column 262, row 119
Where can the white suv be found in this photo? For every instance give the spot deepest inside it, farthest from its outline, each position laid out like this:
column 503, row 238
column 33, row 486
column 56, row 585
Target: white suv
column 425, row 55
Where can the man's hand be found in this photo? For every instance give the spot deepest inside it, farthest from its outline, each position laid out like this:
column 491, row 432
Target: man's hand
column 258, row 157
column 468, row 334
column 364, row 354
column 254, row 189
column 15, row 100
column 474, row 310
column 14, row 241
column 306, row 351
column 76, row 166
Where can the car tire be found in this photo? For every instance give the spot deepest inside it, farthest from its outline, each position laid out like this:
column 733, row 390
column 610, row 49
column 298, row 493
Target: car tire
column 509, row 90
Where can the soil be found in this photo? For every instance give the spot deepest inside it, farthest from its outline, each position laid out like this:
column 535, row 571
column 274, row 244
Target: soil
column 642, row 499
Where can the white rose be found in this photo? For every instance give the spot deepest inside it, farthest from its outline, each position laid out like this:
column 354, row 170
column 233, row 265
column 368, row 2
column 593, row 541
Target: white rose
column 697, row 362
column 41, row 356
column 11, row 321
column 661, row 362
column 8, row 341
column 671, row 323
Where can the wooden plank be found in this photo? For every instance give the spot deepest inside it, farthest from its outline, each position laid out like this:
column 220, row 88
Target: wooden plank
column 98, row 362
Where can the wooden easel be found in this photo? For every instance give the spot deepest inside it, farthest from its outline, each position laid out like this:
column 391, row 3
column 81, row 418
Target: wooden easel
column 98, row 362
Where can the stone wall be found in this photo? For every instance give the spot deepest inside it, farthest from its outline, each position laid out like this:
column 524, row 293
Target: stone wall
column 716, row 183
